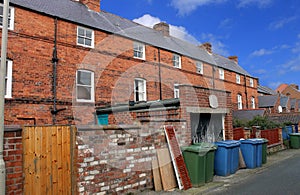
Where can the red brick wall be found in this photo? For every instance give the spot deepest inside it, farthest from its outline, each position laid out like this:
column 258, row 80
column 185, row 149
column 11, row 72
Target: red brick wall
column 13, row 161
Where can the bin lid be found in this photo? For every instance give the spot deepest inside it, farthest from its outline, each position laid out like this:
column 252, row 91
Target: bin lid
column 228, row 143
column 253, row 141
column 206, row 145
column 295, row 134
column 196, row 149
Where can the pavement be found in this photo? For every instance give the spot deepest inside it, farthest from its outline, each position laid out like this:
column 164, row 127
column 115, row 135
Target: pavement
column 220, row 183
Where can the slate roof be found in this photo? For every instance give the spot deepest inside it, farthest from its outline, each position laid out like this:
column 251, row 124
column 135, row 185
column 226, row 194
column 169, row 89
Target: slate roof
column 267, row 101
column 228, row 64
column 266, row 90
column 80, row 14
column 285, row 118
column 284, row 101
column 293, row 103
column 247, row 115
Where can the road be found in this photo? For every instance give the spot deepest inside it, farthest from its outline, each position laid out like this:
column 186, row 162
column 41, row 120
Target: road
column 280, row 178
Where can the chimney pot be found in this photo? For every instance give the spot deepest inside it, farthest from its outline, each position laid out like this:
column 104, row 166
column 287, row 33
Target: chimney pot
column 162, row 27
column 295, row 86
column 234, row 58
column 207, row 46
column 91, row 4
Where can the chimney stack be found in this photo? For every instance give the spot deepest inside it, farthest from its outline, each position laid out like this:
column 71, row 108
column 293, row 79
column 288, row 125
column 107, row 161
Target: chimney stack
column 234, row 58
column 162, row 27
column 91, row 4
column 207, row 46
column 295, row 86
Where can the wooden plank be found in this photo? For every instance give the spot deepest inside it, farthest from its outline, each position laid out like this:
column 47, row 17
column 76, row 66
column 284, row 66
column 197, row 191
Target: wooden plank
column 156, row 176
column 43, row 160
column 166, row 169
column 54, row 163
column 30, row 159
column 74, row 157
column 66, row 179
column 48, row 154
column 26, row 141
column 59, row 160
column 37, row 160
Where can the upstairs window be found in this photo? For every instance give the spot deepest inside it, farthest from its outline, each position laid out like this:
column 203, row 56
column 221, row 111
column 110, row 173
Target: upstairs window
column 85, row 86
column 176, row 91
column 8, row 79
column 238, row 79
column 140, row 93
column 176, row 61
column 85, row 37
column 221, row 73
column 199, row 66
column 251, row 82
column 239, row 101
column 252, row 102
column 11, row 14
column 139, row 50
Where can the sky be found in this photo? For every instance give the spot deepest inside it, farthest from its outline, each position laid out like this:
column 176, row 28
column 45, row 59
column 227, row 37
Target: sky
column 264, row 34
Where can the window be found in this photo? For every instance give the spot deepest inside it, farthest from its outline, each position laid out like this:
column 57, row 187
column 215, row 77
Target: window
column 176, row 91
column 140, row 90
column 221, row 73
column 238, row 79
column 85, row 86
column 176, row 61
column 253, row 102
column 11, row 13
column 85, row 37
column 8, row 79
column 199, row 66
column 138, row 50
column 239, row 101
column 251, row 82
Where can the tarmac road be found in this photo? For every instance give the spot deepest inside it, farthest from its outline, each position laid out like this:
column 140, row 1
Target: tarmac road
column 282, row 178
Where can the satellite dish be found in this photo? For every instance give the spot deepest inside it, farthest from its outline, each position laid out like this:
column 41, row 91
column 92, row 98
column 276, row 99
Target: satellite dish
column 213, row 101
column 279, row 109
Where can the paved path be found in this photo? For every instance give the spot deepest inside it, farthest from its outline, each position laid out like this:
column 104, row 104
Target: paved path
column 221, row 184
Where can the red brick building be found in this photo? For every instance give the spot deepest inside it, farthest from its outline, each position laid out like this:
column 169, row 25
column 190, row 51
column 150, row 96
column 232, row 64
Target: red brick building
column 70, row 63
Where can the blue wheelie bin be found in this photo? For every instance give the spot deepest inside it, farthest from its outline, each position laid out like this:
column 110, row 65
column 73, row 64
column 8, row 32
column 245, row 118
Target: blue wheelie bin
column 226, row 157
column 252, row 152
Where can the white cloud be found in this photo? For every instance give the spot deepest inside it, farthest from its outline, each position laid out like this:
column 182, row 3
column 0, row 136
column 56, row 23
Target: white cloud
column 259, row 3
column 179, row 32
column 185, row 7
column 217, row 46
column 226, row 24
column 261, row 52
column 281, row 23
column 274, row 85
column 260, row 71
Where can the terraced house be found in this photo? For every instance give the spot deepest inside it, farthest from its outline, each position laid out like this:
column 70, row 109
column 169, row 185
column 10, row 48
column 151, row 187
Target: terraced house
column 71, row 63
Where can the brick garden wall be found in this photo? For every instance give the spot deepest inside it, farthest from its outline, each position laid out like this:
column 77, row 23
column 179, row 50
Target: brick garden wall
column 13, row 161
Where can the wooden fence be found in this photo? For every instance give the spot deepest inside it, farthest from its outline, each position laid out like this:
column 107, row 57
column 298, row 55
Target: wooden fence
column 272, row 135
column 48, row 153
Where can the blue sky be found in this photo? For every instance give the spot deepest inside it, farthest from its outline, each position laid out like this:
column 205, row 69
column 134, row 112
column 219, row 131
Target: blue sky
column 264, row 34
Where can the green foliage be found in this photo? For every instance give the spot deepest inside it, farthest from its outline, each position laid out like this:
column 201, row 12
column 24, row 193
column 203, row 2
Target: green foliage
column 261, row 121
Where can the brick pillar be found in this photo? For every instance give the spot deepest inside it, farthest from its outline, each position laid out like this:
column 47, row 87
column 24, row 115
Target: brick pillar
column 13, row 159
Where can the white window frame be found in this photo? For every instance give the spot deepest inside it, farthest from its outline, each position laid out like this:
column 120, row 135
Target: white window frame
column 91, row 86
column 11, row 17
column 139, row 50
column 176, row 60
column 251, row 82
column 8, row 79
column 221, row 73
column 240, row 101
column 252, row 102
column 141, row 92
column 238, row 78
column 92, row 38
column 176, row 90
column 199, row 66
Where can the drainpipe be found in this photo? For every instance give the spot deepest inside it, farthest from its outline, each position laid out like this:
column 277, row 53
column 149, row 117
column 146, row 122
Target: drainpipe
column 54, row 62
column 159, row 75
column 246, row 92
column 213, row 76
column 2, row 93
